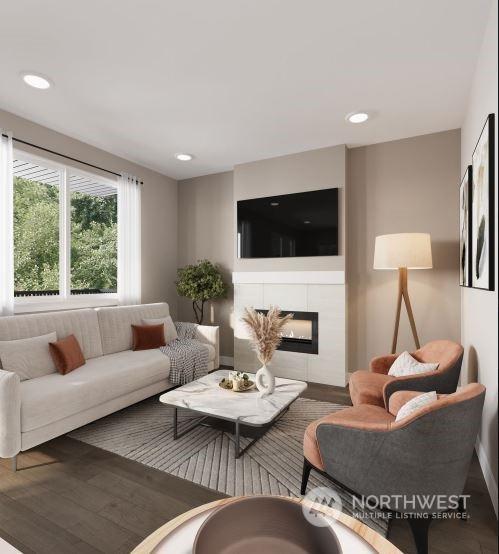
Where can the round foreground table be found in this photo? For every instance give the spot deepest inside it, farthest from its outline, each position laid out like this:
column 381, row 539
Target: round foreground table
column 177, row 536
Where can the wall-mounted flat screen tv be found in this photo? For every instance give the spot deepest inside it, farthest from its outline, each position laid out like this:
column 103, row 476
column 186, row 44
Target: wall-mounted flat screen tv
column 289, row 225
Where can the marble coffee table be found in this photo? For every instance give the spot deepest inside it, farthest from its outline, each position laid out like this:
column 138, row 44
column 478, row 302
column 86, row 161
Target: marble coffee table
column 205, row 397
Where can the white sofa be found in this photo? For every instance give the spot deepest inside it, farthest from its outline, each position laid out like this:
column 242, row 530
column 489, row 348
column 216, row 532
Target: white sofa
column 114, row 376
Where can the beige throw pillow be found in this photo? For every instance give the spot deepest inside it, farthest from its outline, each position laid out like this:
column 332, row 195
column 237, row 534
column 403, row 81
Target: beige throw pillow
column 29, row 358
column 415, row 404
column 405, row 365
column 170, row 330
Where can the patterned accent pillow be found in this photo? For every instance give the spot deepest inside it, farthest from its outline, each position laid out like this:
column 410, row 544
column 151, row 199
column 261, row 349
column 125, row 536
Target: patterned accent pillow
column 415, row 404
column 405, row 365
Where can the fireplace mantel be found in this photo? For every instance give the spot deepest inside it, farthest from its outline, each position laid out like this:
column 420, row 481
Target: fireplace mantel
column 289, row 277
column 320, row 292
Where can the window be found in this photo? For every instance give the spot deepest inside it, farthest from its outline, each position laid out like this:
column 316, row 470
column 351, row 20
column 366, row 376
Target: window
column 65, row 231
column 36, row 229
column 94, row 218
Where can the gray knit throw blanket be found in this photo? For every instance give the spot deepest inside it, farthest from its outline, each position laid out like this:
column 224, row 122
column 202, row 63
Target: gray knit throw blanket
column 188, row 356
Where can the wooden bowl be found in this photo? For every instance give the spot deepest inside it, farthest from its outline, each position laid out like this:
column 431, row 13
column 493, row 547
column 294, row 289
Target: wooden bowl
column 263, row 525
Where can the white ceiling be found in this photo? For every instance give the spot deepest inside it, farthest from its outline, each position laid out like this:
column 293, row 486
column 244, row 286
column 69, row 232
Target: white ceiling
column 233, row 81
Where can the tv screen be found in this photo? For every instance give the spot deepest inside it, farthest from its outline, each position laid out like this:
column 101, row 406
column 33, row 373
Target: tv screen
column 291, row 225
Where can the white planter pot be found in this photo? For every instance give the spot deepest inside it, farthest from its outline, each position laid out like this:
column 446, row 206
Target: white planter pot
column 265, row 381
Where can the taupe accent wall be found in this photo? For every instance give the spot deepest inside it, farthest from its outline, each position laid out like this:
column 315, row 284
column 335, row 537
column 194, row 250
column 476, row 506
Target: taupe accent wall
column 479, row 317
column 159, row 202
column 404, row 185
column 305, row 171
column 408, row 185
column 206, row 230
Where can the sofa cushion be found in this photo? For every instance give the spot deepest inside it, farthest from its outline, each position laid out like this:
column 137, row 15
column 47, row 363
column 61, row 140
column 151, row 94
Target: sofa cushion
column 366, row 387
column 116, row 324
column 83, row 324
column 29, row 358
column 56, row 396
column 170, row 329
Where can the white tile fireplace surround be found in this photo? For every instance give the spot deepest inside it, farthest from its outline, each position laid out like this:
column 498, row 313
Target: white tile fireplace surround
column 300, row 291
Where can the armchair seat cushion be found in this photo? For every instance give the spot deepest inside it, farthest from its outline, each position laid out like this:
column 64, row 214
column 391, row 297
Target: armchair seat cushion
column 366, row 387
column 364, row 416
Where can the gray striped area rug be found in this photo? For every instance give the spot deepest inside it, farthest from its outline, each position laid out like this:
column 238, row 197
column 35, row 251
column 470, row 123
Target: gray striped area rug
column 206, row 456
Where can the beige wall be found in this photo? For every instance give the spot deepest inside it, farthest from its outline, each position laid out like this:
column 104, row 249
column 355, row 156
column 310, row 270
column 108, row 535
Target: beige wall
column 159, row 202
column 306, row 171
column 388, row 185
column 480, row 308
column 206, row 230
column 402, row 186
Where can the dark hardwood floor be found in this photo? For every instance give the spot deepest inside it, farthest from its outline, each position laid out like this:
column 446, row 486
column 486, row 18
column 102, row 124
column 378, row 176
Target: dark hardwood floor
column 72, row 497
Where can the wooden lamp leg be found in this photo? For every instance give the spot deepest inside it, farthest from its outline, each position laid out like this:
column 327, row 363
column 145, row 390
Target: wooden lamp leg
column 409, row 312
column 397, row 315
column 403, row 293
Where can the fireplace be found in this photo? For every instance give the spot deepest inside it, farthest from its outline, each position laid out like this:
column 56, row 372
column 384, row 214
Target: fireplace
column 300, row 334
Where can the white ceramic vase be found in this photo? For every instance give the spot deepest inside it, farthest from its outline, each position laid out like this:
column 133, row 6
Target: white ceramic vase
column 265, row 381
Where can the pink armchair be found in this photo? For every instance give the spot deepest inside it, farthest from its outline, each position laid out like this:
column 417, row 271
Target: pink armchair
column 375, row 386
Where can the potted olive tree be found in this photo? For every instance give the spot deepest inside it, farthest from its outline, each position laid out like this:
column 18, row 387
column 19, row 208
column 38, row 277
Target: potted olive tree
column 200, row 282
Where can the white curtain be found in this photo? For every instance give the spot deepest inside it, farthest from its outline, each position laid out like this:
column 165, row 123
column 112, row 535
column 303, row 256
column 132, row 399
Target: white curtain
column 6, row 225
column 129, row 256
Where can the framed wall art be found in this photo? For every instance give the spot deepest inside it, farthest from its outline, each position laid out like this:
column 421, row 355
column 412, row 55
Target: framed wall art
column 465, row 238
column 482, row 209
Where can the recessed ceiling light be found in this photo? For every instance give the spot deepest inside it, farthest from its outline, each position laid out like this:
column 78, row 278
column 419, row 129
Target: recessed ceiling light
column 357, row 117
column 307, row 222
column 274, row 204
column 184, row 157
column 36, row 80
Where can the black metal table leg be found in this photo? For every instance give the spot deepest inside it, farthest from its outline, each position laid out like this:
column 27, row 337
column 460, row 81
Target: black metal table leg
column 176, row 434
column 238, row 452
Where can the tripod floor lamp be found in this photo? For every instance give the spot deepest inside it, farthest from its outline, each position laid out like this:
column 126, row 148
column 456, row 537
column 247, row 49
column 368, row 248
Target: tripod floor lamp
column 403, row 251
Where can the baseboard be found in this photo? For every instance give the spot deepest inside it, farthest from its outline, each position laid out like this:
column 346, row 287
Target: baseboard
column 487, row 473
column 227, row 360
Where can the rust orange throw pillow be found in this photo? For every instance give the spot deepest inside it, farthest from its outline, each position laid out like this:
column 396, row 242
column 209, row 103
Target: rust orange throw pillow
column 146, row 337
column 67, row 354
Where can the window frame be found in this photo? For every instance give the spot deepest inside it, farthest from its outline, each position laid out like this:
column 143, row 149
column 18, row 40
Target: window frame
column 64, row 300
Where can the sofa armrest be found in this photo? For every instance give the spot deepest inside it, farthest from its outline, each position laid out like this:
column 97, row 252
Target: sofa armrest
column 10, row 414
column 209, row 334
column 382, row 364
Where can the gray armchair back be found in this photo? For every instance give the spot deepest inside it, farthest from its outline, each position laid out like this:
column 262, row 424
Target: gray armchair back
column 426, row 454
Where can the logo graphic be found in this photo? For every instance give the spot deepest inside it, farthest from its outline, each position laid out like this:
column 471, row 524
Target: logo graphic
column 316, row 500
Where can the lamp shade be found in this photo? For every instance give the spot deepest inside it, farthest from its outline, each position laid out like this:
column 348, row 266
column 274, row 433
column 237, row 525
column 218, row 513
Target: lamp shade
column 410, row 250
